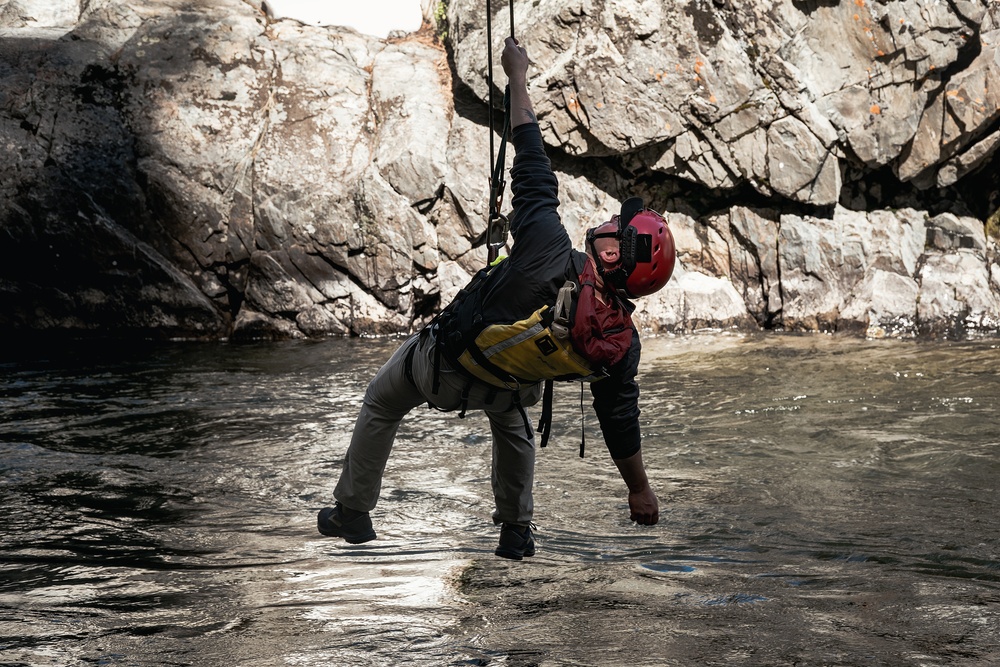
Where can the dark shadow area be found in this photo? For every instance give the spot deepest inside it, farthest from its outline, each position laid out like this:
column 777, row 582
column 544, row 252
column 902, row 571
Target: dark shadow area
column 80, row 256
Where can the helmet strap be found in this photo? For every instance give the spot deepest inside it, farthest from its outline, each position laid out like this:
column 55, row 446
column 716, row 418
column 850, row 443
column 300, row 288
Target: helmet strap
column 630, row 243
column 608, row 277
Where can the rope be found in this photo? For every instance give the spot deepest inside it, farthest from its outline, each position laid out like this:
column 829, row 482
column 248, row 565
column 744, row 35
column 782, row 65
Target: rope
column 497, row 225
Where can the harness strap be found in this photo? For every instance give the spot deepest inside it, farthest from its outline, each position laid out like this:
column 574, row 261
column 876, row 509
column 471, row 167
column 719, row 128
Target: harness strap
column 436, row 385
column 465, row 400
column 489, row 367
column 408, row 365
column 545, row 421
column 516, row 400
column 561, row 323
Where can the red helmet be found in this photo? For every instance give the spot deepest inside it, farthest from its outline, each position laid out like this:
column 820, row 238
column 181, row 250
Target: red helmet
column 646, row 247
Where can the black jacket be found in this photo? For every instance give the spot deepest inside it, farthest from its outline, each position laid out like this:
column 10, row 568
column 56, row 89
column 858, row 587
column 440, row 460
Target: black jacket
column 542, row 259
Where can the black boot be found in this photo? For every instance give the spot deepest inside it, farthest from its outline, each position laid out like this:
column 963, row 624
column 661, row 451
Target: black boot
column 340, row 521
column 516, row 542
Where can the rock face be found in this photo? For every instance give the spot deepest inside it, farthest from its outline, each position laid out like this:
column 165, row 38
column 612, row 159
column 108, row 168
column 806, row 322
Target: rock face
column 178, row 169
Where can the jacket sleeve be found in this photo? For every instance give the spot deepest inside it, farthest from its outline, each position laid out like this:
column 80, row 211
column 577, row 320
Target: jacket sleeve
column 535, row 225
column 616, row 402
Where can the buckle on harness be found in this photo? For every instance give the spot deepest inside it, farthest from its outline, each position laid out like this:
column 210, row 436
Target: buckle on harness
column 560, row 320
column 496, row 234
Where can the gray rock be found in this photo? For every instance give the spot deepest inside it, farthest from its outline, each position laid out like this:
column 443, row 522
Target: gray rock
column 199, row 170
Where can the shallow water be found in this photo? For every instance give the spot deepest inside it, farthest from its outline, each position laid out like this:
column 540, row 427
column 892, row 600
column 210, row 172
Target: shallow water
column 824, row 501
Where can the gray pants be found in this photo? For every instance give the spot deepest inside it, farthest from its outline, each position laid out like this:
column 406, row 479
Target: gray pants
column 390, row 396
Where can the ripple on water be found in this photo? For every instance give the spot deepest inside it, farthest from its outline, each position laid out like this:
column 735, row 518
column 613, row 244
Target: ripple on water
column 160, row 509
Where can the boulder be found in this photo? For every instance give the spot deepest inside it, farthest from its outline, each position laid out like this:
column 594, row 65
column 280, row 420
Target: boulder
column 208, row 170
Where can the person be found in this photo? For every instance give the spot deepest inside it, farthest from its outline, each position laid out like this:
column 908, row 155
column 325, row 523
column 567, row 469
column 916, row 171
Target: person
column 434, row 367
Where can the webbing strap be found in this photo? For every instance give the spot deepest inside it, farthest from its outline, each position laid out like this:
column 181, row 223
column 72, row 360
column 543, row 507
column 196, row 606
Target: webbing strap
column 436, row 387
column 465, row 400
column 516, row 400
column 491, row 368
column 408, row 365
column 545, row 421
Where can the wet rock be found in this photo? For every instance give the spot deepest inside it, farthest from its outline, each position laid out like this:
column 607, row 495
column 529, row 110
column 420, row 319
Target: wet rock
column 884, row 305
column 955, row 295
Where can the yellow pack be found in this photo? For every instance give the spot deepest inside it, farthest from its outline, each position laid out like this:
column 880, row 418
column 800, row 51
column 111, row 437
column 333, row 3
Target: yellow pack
column 530, row 350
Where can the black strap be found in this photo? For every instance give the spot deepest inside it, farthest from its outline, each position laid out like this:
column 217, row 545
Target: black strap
column 545, row 421
column 492, row 368
column 516, row 400
column 465, row 400
column 408, row 364
column 583, row 424
column 436, row 386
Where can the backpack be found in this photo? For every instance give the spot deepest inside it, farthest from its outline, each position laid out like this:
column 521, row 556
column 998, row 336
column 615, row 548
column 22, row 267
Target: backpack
column 571, row 340
column 509, row 355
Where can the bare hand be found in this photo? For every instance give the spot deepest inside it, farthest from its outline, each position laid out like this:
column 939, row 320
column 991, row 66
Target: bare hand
column 644, row 507
column 514, row 60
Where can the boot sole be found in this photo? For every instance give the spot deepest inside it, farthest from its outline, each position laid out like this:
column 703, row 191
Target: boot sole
column 351, row 539
column 513, row 555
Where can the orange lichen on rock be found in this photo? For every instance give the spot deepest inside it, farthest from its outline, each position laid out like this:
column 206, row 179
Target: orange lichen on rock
column 876, row 109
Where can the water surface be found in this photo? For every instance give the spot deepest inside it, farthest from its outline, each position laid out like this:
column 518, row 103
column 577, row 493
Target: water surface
column 824, row 501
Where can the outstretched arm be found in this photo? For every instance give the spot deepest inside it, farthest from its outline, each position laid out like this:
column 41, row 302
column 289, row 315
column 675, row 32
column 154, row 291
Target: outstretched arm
column 642, row 502
column 515, row 64
column 616, row 402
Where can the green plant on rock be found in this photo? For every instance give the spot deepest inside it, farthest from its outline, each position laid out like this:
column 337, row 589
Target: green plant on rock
column 993, row 225
column 441, row 20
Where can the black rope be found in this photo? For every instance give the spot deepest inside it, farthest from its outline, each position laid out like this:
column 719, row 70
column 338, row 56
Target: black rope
column 489, row 74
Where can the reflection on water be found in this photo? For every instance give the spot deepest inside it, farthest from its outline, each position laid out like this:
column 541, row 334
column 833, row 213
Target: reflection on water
column 823, row 501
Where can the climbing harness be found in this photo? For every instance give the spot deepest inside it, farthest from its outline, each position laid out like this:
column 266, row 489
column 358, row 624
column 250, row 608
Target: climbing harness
column 498, row 225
